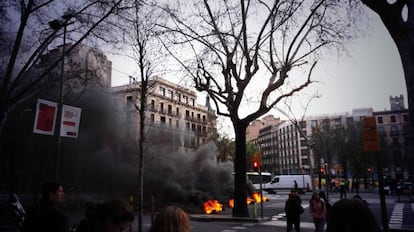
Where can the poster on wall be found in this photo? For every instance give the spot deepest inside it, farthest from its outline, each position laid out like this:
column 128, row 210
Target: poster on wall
column 45, row 118
column 69, row 126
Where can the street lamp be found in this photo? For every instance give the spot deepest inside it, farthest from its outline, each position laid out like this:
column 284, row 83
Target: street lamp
column 57, row 25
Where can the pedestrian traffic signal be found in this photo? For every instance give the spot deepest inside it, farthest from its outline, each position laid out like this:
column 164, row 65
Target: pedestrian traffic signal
column 321, row 170
column 369, row 170
column 255, row 164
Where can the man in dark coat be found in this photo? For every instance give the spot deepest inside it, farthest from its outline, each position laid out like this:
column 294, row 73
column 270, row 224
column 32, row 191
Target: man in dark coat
column 293, row 210
column 46, row 216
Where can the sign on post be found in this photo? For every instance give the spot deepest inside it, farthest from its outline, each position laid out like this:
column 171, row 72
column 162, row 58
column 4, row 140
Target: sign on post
column 45, row 118
column 370, row 135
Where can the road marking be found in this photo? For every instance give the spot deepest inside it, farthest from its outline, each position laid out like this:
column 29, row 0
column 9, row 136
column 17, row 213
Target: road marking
column 304, row 225
column 397, row 216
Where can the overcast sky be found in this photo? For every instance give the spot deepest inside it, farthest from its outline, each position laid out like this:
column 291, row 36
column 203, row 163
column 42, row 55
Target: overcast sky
column 366, row 78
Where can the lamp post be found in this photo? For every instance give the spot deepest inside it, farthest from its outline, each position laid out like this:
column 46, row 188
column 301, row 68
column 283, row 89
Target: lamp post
column 57, row 25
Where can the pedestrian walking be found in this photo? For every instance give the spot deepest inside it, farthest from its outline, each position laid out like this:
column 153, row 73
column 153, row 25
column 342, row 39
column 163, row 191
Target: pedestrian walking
column 328, row 205
column 317, row 209
column 293, row 210
column 342, row 189
column 295, row 184
column 46, row 216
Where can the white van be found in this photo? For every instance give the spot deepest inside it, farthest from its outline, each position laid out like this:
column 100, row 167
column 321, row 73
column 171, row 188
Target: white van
column 254, row 178
column 287, row 182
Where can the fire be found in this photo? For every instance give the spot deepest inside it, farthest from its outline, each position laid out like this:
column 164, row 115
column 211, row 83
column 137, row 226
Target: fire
column 256, row 197
column 212, row 206
column 250, row 200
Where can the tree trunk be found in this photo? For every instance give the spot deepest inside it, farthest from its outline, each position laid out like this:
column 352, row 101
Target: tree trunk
column 240, row 194
column 402, row 32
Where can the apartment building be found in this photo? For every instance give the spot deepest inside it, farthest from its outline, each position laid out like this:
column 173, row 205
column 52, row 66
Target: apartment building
column 395, row 136
column 84, row 67
column 287, row 146
column 172, row 114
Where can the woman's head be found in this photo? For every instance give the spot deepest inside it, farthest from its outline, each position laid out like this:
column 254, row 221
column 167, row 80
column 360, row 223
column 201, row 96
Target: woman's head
column 115, row 215
column 52, row 191
column 171, row 219
column 351, row 215
column 315, row 196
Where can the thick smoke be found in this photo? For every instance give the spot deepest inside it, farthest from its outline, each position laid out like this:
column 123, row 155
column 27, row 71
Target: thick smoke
column 189, row 178
column 103, row 164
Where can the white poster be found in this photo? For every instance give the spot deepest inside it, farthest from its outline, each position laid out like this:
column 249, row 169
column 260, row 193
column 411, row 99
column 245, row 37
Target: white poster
column 45, row 118
column 69, row 126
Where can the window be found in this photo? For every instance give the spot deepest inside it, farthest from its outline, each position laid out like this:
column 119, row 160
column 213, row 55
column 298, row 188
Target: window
column 162, row 119
column 130, row 103
column 162, row 91
column 393, row 118
column 405, row 117
column 169, row 109
column 192, row 101
column 170, row 94
column 187, row 114
column 177, row 110
column 162, row 107
column 380, row 120
column 152, row 118
column 185, row 99
column 152, row 104
column 178, row 97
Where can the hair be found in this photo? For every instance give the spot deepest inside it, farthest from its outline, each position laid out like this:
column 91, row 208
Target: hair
column 114, row 211
column 351, row 215
column 322, row 195
column 102, row 216
column 49, row 187
column 171, row 219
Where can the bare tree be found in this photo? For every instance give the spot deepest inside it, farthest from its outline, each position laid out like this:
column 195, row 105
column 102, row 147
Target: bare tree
column 29, row 36
column 398, row 18
column 228, row 42
column 139, row 36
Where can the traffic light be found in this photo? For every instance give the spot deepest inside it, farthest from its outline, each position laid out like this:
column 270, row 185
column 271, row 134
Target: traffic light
column 369, row 170
column 321, row 170
column 255, row 164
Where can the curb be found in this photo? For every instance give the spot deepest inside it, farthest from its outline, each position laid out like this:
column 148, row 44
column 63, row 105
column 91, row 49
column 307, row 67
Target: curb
column 225, row 218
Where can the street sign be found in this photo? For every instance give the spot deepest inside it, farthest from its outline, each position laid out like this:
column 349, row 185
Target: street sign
column 369, row 135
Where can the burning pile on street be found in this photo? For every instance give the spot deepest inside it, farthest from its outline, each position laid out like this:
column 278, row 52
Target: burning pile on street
column 213, row 206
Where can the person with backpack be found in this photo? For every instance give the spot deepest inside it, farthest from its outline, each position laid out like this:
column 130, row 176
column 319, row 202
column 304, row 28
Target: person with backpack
column 293, row 210
column 317, row 208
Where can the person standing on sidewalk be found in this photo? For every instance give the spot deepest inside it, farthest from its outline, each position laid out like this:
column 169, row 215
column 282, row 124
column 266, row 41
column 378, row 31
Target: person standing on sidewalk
column 293, row 210
column 46, row 216
column 317, row 209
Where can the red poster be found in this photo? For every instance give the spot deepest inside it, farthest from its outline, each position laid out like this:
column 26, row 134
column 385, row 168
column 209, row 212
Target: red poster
column 45, row 117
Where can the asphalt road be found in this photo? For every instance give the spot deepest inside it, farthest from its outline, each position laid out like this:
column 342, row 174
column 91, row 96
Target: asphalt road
column 400, row 215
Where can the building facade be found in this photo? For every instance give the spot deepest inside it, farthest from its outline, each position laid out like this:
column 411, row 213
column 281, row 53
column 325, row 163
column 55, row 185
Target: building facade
column 395, row 136
column 84, row 67
column 172, row 114
column 288, row 146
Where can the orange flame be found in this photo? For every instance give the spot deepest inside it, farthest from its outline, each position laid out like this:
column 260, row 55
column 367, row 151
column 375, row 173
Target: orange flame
column 250, row 200
column 256, row 197
column 212, row 206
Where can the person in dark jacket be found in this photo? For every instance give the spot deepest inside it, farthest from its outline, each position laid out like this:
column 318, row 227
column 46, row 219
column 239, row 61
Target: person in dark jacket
column 46, row 216
column 293, row 210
